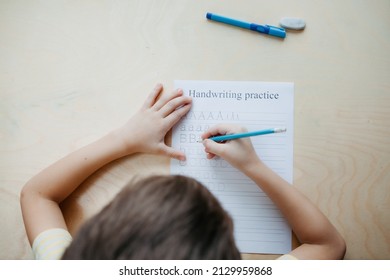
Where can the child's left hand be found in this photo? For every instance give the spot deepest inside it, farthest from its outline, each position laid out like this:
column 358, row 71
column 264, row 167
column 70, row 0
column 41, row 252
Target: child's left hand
column 146, row 130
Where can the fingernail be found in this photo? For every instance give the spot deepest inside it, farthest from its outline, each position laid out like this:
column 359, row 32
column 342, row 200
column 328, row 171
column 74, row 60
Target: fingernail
column 182, row 158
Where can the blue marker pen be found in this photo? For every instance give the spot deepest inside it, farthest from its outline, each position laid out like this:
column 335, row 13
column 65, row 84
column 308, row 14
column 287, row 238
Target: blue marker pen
column 227, row 137
column 266, row 29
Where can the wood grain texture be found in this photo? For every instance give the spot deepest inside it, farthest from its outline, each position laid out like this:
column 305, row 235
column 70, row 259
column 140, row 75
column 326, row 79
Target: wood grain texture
column 71, row 71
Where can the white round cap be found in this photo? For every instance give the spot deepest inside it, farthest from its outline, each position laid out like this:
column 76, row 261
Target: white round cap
column 292, row 23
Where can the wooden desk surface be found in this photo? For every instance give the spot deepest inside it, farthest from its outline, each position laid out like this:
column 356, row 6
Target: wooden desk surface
column 70, row 72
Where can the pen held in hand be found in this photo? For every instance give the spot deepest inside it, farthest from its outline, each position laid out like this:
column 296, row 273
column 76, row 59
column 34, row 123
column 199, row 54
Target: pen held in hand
column 227, row 137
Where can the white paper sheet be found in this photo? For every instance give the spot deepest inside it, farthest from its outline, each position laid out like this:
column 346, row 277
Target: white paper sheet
column 259, row 226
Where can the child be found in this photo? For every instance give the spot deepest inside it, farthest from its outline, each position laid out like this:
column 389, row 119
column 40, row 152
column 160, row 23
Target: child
column 162, row 217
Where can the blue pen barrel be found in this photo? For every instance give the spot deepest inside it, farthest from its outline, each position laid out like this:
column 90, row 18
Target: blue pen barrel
column 266, row 29
column 230, row 21
column 227, row 137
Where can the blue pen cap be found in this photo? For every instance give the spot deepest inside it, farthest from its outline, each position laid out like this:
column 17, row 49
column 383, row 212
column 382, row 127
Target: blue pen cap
column 276, row 31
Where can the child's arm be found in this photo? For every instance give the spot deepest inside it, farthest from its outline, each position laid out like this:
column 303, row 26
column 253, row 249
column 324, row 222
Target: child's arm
column 144, row 132
column 319, row 238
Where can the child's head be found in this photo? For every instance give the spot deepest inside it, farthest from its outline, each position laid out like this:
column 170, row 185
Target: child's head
column 161, row 217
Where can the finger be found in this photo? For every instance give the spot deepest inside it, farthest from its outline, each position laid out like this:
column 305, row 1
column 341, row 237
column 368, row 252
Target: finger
column 172, row 153
column 219, row 129
column 165, row 98
column 177, row 114
column 210, row 155
column 174, row 104
column 213, row 148
column 153, row 96
column 222, row 129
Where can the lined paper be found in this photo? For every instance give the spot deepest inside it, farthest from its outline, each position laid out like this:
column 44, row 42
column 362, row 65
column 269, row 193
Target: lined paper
column 259, row 227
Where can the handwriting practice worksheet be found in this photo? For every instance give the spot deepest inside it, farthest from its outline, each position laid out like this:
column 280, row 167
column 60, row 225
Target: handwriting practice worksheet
column 259, row 227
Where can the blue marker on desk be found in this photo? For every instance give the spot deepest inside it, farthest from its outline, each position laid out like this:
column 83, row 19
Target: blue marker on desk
column 266, row 29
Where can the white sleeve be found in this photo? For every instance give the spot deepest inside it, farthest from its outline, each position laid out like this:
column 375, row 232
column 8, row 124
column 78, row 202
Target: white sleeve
column 51, row 244
column 287, row 257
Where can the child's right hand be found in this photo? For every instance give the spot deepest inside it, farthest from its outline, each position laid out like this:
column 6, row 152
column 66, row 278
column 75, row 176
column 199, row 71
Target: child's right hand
column 239, row 152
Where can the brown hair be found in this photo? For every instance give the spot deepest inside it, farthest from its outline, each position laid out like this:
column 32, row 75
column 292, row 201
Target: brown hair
column 160, row 217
